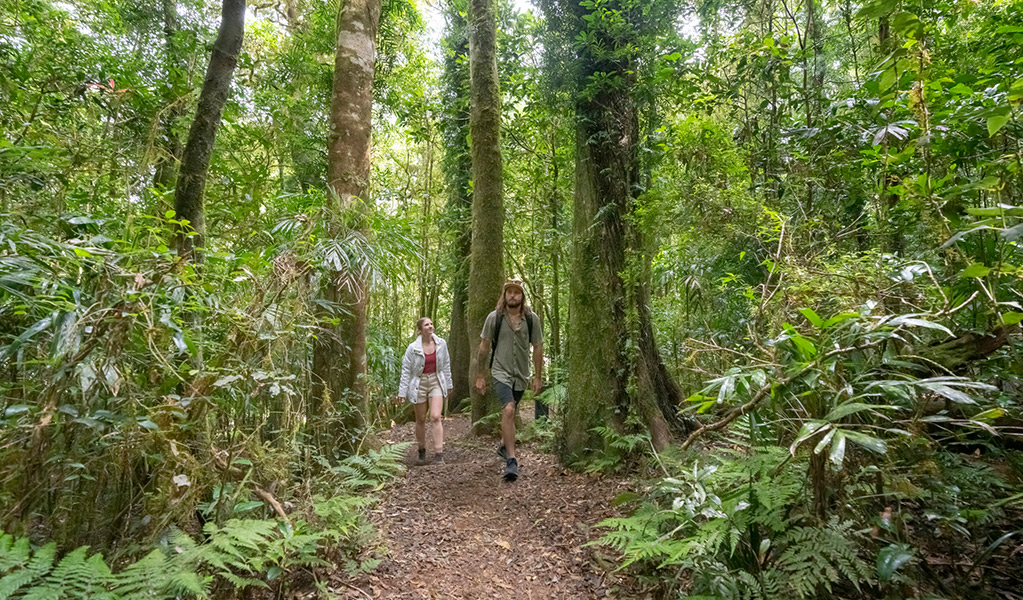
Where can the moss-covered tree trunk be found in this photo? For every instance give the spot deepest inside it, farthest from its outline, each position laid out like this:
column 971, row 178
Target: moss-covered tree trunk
column 486, row 266
column 195, row 162
column 339, row 355
column 615, row 369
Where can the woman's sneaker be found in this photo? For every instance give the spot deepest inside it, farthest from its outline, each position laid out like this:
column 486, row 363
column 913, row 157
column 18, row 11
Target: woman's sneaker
column 438, row 459
column 511, row 470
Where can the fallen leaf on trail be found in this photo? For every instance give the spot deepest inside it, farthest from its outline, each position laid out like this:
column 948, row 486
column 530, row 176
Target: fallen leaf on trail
column 503, row 544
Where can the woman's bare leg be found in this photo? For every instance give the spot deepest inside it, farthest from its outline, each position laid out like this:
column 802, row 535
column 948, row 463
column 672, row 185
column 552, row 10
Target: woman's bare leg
column 437, row 423
column 421, row 424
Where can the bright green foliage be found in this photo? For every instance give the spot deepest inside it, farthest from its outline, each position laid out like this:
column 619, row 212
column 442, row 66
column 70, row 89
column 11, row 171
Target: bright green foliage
column 620, row 448
column 372, row 469
column 734, row 524
column 782, row 511
column 240, row 554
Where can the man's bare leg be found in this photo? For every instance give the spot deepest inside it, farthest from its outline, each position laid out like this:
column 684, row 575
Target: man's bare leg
column 508, row 428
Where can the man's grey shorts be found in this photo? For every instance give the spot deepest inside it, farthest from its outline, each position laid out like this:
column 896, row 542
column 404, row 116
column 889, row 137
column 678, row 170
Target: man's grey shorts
column 506, row 394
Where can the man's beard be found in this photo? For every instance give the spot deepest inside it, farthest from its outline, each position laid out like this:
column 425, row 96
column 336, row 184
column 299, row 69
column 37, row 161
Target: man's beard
column 509, row 304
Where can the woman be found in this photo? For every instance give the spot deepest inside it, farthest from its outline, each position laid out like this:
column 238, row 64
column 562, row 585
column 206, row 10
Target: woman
column 426, row 381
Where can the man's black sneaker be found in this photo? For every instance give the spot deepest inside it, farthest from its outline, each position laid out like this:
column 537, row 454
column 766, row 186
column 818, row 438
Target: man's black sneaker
column 421, row 458
column 511, row 470
column 502, row 452
column 438, row 458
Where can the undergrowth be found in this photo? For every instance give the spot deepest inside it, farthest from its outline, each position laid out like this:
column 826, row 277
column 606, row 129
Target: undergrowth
column 235, row 556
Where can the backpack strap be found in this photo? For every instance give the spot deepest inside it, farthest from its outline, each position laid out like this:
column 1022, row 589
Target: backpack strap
column 493, row 341
column 497, row 333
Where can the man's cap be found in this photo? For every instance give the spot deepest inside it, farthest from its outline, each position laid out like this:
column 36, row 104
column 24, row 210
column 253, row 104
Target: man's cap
column 513, row 283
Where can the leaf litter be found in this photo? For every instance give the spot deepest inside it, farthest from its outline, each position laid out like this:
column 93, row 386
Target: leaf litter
column 457, row 531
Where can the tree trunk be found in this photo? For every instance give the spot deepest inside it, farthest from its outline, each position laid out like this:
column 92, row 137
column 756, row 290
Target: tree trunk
column 458, row 173
column 486, row 266
column 166, row 164
column 555, row 207
column 188, row 196
column 339, row 355
column 614, row 367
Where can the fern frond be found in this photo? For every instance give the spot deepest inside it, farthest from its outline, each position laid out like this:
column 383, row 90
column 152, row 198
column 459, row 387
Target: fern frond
column 35, row 568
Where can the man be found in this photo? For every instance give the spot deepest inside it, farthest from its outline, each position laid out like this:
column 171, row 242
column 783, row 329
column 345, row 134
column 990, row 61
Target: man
column 515, row 328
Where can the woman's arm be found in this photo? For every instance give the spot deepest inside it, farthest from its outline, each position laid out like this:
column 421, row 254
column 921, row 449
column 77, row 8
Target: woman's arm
column 406, row 371
column 447, row 369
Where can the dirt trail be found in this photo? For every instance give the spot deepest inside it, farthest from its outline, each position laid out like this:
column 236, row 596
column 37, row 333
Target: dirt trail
column 457, row 531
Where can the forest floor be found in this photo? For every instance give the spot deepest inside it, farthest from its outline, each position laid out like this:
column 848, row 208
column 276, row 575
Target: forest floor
column 458, row 531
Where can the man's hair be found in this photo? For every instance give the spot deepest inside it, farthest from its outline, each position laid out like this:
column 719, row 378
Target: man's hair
column 502, row 306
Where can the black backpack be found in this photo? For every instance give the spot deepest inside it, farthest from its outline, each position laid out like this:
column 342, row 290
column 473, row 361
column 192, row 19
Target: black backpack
column 497, row 333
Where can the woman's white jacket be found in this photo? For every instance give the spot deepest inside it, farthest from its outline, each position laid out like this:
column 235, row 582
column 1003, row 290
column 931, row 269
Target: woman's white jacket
column 412, row 368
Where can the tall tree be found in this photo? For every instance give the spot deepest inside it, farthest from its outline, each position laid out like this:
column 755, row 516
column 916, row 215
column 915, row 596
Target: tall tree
column 486, row 266
column 458, row 174
column 615, row 369
column 163, row 177
column 195, row 162
column 339, row 355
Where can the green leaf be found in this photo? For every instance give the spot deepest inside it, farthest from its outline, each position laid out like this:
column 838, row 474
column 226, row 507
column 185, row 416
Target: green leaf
column 837, row 454
column 975, row 270
column 1013, row 233
column 1009, row 29
column 1011, row 318
column 626, row 497
column 891, row 558
column 868, row 441
column 951, row 393
column 960, row 89
column 850, row 408
column 15, row 410
column 824, row 441
column 1016, row 91
column 242, row 507
column 913, row 321
column 807, row 431
column 26, row 335
column 812, row 317
column 909, row 24
column 169, row 214
column 832, row 321
column 989, row 415
column 995, row 124
column 887, row 80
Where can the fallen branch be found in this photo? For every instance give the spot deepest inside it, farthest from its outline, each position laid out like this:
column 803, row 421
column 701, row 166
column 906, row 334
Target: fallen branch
column 269, row 499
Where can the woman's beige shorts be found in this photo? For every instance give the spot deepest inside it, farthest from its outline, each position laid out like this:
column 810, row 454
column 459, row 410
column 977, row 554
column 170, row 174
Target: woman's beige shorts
column 429, row 385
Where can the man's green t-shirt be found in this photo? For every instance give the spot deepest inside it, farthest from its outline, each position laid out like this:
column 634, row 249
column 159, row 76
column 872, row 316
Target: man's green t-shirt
column 512, row 357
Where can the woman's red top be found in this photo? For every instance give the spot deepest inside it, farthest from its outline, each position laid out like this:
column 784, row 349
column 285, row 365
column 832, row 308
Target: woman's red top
column 431, row 363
